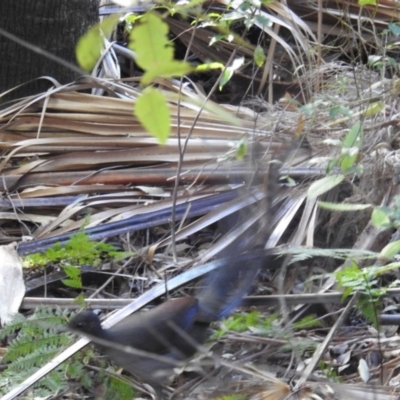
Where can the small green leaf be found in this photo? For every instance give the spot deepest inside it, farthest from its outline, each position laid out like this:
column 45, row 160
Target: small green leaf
column 153, row 113
column 349, row 157
column 390, row 250
column 343, row 206
column 74, row 277
column 367, row 2
column 336, row 110
column 149, row 40
column 241, row 150
column 259, row 56
column 374, row 108
column 225, row 78
column 394, row 28
column 263, row 21
column 380, row 218
column 351, row 144
column 228, row 73
column 353, row 138
column 209, row 66
column 323, row 185
column 88, row 48
column 373, row 60
column 169, row 69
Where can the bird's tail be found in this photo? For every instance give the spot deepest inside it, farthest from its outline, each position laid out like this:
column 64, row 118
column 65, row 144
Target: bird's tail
column 223, row 290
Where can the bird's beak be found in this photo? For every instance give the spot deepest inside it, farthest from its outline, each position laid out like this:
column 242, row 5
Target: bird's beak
column 63, row 329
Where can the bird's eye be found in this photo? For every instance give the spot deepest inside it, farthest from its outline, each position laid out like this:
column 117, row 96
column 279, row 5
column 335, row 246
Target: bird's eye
column 80, row 324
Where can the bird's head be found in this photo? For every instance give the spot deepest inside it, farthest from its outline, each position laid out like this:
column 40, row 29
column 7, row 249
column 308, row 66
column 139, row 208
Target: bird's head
column 86, row 322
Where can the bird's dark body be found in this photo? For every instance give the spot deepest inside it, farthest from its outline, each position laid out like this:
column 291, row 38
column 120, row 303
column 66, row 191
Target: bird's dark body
column 174, row 329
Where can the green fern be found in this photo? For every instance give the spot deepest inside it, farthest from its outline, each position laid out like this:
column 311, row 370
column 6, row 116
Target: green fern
column 307, row 322
column 38, row 340
column 242, row 322
column 74, row 279
column 118, row 387
column 365, row 283
column 304, row 253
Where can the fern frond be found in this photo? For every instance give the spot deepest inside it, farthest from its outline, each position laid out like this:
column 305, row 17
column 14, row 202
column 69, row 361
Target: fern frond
column 305, row 253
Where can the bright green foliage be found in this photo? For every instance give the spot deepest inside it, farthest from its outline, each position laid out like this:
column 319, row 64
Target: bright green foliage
column 380, row 218
column 79, row 250
column 367, row 2
column 259, row 56
column 154, row 51
column 155, row 55
column 118, row 388
column 89, row 46
column 242, row 322
column 343, row 206
column 228, row 73
column 365, row 283
column 233, row 397
column 241, row 149
column 307, row 322
column 74, row 277
column 351, row 146
column 37, row 342
column 183, row 8
column 209, row 66
column 130, row 19
column 374, row 108
column 390, row 251
column 152, row 111
column 387, row 217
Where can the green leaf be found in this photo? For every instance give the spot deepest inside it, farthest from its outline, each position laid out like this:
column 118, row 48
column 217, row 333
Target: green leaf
column 394, row 28
column 336, row 110
column 153, row 113
column 349, row 157
column 367, row 2
column 241, row 150
column 74, row 277
column 390, row 250
column 259, row 56
column 323, row 185
column 351, row 144
column 209, row 66
column 89, row 46
column 227, row 74
column 149, row 40
column 374, row 108
column 379, row 218
column 167, row 70
column 263, row 21
column 343, row 206
column 353, row 138
column 154, row 51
